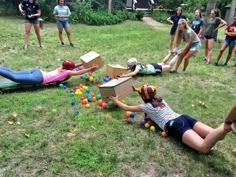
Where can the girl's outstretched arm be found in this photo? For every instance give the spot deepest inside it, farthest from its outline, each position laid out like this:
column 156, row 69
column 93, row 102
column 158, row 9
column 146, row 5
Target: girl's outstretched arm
column 126, row 107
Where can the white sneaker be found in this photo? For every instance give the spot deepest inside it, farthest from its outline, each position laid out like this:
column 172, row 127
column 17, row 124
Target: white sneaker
column 233, row 126
column 25, row 47
column 41, row 46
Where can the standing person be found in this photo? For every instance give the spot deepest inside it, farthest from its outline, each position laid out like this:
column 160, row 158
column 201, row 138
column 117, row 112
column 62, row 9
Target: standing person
column 173, row 20
column 213, row 24
column 31, row 10
column 191, row 132
column 230, row 41
column 40, row 77
column 192, row 43
column 149, row 69
column 62, row 14
column 197, row 23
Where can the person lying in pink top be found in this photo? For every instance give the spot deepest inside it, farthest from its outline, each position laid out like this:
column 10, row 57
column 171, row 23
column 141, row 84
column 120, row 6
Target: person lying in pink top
column 39, row 77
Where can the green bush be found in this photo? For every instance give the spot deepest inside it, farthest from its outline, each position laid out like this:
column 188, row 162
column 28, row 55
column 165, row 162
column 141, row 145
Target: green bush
column 160, row 16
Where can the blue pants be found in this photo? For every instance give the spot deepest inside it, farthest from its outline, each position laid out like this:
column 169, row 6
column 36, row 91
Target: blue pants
column 31, row 77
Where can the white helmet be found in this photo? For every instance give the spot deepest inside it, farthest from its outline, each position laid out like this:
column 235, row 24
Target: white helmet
column 132, row 62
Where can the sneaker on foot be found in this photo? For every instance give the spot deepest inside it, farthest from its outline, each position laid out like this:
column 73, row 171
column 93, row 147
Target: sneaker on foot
column 41, row 46
column 72, row 45
column 62, row 44
column 25, row 47
column 233, row 126
column 216, row 63
column 225, row 64
column 204, row 59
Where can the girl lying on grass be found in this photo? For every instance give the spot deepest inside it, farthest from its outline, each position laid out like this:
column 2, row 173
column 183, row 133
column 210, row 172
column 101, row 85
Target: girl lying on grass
column 149, row 69
column 188, row 130
column 39, row 77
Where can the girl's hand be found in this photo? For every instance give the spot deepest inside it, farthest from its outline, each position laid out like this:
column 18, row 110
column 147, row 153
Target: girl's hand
column 114, row 98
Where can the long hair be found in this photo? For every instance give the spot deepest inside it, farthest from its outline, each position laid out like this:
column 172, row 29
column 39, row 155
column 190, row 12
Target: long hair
column 217, row 12
column 179, row 33
column 200, row 13
column 177, row 10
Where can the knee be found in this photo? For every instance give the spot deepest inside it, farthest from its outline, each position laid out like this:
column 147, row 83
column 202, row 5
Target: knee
column 27, row 32
column 221, row 51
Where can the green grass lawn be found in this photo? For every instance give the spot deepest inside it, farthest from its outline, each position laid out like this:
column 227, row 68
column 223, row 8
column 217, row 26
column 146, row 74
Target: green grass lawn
column 41, row 136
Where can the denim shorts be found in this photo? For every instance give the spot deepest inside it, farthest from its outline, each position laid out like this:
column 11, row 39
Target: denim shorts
column 230, row 42
column 180, row 125
column 63, row 24
column 195, row 46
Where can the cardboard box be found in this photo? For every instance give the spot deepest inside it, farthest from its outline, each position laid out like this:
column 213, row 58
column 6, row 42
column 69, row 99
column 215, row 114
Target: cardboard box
column 114, row 70
column 90, row 59
column 120, row 87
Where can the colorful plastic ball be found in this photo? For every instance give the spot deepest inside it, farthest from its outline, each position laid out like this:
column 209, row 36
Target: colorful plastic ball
column 98, row 96
column 100, row 103
column 146, row 125
column 72, row 91
column 142, row 122
column 76, row 112
column 72, row 103
column 152, row 128
column 127, row 115
column 163, row 134
column 91, row 78
column 72, row 94
column 104, row 105
column 149, row 122
column 65, row 87
column 87, row 105
column 92, row 95
column 61, row 85
column 86, row 75
column 90, row 73
column 94, row 98
column 81, row 98
column 87, row 91
column 132, row 115
column 85, row 101
column 89, row 99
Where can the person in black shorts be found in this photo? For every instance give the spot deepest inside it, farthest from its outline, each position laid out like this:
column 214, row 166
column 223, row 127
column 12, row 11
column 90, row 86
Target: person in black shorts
column 149, row 69
column 173, row 20
column 31, row 10
column 191, row 132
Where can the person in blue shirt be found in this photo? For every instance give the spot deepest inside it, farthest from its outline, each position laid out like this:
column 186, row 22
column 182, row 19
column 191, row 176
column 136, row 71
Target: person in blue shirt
column 62, row 14
column 197, row 23
column 174, row 22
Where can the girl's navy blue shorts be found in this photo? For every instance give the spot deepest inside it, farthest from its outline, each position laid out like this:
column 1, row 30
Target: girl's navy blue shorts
column 181, row 124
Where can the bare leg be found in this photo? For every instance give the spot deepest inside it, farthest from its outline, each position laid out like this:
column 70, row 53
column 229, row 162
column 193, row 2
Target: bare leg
column 167, row 57
column 172, row 37
column 37, row 32
column 206, row 48
column 60, row 30
column 68, row 34
column 234, row 58
column 27, row 32
column 193, row 140
column 187, row 58
column 166, row 68
column 202, row 129
column 231, row 48
column 222, row 49
column 180, row 58
column 210, row 49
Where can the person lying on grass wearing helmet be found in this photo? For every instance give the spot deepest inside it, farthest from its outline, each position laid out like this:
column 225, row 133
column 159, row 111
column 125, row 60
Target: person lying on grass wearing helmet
column 149, row 69
column 39, row 77
column 191, row 132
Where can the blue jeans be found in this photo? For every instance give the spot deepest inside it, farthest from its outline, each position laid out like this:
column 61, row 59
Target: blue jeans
column 63, row 24
column 31, row 77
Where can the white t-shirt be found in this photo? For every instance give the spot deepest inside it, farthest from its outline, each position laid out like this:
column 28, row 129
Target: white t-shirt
column 161, row 114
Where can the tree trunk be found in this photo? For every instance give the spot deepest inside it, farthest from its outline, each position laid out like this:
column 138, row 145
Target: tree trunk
column 232, row 11
column 109, row 6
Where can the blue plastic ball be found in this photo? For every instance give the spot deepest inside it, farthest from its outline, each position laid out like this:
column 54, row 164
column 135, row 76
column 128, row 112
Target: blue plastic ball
column 72, row 103
column 77, row 112
column 132, row 115
column 89, row 99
